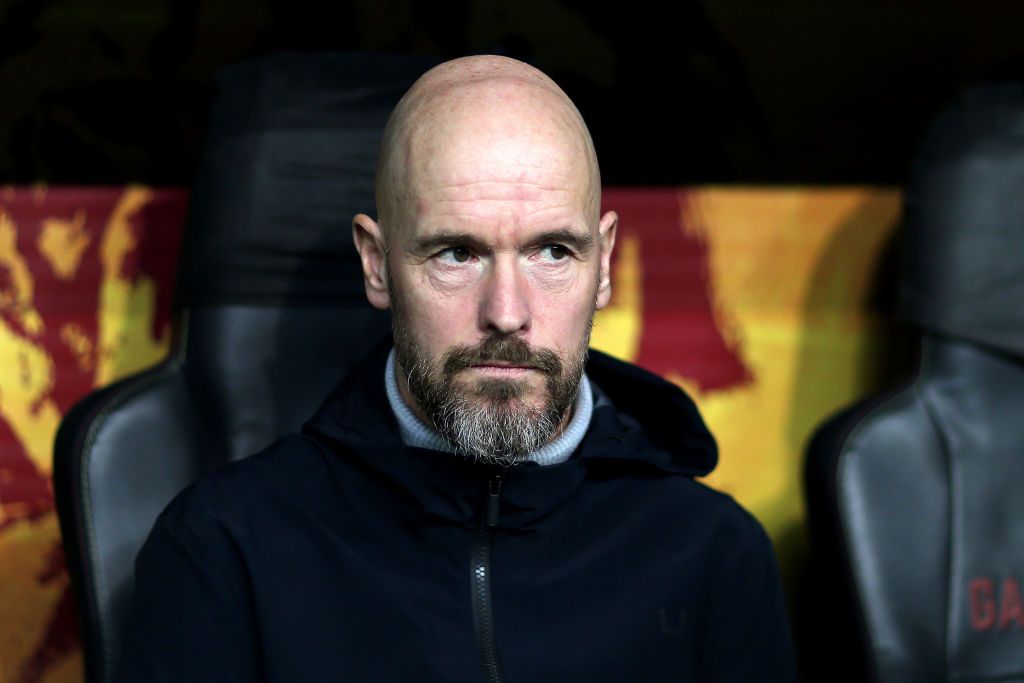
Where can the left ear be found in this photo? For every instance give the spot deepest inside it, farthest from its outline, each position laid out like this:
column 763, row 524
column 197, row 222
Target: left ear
column 606, row 236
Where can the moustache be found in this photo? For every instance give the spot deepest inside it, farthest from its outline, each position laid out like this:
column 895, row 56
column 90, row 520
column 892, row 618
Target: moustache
column 505, row 349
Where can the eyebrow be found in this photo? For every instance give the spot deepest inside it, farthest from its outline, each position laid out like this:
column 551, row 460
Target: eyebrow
column 438, row 241
column 581, row 242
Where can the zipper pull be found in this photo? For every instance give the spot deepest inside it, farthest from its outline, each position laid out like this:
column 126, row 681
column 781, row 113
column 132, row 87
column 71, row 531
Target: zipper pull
column 493, row 498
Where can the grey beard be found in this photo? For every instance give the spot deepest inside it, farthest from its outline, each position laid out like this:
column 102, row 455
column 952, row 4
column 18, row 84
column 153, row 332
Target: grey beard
column 494, row 427
column 487, row 420
column 493, row 434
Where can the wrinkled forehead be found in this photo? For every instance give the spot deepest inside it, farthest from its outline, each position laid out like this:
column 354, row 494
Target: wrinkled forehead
column 496, row 136
column 495, row 128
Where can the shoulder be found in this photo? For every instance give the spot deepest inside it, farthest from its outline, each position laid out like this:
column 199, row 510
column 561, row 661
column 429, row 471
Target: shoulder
column 723, row 511
column 277, row 476
column 700, row 516
column 729, row 518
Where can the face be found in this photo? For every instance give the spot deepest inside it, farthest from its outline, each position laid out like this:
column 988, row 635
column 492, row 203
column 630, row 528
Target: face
column 493, row 276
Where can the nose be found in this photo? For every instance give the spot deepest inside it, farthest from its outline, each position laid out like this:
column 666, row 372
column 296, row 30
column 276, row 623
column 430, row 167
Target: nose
column 505, row 307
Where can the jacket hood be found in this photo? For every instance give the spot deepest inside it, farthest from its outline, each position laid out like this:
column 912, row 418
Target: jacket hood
column 641, row 425
column 655, row 417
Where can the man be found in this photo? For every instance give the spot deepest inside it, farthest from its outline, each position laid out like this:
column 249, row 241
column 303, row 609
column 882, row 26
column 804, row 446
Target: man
column 472, row 505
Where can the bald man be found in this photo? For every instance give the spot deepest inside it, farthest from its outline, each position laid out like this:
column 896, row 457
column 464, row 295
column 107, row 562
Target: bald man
column 485, row 499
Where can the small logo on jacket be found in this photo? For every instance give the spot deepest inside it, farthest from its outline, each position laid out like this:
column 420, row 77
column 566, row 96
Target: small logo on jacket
column 672, row 623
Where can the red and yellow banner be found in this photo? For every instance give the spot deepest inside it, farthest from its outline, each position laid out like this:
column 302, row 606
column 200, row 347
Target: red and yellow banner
column 754, row 300
column 86, row 277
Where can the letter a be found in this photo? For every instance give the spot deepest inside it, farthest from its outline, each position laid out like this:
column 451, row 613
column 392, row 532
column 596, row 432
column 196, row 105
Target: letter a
column 1010, row 608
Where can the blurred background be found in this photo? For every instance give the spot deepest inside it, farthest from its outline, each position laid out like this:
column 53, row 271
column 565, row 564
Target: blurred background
column 754, row 150
column 793, row 91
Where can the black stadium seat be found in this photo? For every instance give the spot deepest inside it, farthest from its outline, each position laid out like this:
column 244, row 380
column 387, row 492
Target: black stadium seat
column 916, row 497
column 271, row 314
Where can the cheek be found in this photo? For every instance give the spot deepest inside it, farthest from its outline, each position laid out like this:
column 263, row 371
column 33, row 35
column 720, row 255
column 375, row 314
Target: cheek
column 561, row 322
column 571, row 290
column 439, row 320
column 571, row 283
column 451, row 281
column 554, row 280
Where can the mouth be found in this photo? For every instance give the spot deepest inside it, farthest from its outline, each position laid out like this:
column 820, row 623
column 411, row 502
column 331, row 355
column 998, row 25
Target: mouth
column 499, row 368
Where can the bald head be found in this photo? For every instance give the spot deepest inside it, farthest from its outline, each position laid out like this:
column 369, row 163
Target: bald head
column 478, row 120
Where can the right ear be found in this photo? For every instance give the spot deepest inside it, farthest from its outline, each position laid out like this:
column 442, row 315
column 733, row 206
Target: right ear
column 369, row 241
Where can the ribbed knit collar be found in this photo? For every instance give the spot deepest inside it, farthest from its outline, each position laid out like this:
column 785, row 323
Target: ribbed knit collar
column 416, row 433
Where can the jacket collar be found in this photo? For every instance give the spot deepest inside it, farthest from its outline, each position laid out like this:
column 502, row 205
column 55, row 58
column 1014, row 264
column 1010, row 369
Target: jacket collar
column 641, row 424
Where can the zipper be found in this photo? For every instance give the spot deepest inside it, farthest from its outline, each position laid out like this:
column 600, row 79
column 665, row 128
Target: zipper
column 480, row 580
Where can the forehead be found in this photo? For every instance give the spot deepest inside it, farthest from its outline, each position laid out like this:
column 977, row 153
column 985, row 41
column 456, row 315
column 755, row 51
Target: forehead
column 500, row 185
column 513, row 150
column 501, row 197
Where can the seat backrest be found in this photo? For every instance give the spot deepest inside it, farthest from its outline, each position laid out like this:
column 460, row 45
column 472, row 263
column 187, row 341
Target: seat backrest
column 271, row 315
column 915, row 500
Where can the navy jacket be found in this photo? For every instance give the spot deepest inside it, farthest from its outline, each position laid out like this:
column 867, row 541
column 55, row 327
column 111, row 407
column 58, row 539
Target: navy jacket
column 342, row 555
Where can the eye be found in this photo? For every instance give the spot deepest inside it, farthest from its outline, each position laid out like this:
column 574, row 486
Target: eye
column 555, row 252
column 455, row 254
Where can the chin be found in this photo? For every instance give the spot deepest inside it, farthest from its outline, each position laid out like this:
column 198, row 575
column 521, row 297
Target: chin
column 504, row 391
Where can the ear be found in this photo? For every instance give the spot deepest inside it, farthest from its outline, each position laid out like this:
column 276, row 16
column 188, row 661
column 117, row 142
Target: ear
column 369, row 241
column 606, row 236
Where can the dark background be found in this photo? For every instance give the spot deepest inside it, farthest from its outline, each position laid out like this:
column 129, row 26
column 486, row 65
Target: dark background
column 733, row 91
